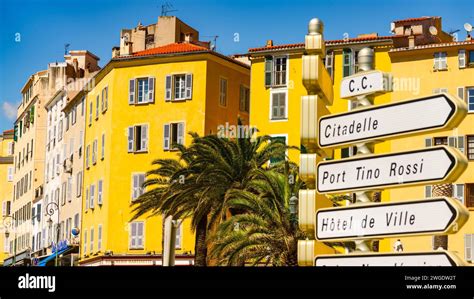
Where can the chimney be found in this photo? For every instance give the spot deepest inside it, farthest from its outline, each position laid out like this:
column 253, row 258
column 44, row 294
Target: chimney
column 115, row 52
column 411, row 41
column 75, row 63
column 269, row 43
column 188, row 38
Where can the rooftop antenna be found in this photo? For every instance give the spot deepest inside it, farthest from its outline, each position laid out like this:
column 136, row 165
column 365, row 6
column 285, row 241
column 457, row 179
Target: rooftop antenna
column 167, row 8
column 214, row 41
column 66, row 48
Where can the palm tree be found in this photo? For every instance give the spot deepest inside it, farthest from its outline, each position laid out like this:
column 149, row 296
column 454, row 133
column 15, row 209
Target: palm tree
column 195, row 185
column 264, row 233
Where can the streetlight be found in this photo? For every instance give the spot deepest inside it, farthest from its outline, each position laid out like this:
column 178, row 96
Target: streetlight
column 50, row 208
column 7, row 234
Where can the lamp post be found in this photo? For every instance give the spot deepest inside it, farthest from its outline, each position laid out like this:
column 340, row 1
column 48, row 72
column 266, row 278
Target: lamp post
column 7, row 234
column 50, row 208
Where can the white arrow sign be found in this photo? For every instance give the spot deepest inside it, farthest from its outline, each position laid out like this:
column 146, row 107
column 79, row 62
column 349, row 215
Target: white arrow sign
column 363, row 83
column 419, row 217
column 431, row 113
column 434, row 258
column 429, row 165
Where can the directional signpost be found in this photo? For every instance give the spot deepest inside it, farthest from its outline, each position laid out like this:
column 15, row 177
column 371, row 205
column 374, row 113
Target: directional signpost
column 432, row 258
column 405, row 218
column 431, row 113
column 373, row 172
column 369, row 82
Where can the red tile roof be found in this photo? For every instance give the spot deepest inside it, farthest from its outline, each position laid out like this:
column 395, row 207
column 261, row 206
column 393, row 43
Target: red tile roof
column 439, row 45
column 170, row 49
column 8, row 131
column 415, row 19
column 328, row 42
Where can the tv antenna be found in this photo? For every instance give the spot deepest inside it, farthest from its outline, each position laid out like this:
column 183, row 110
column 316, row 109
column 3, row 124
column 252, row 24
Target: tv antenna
column 66, row 48
column 167, row 8
column 214, row 41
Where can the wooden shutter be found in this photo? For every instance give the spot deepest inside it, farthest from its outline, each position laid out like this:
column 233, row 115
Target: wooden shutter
column 189, row 86
column 140, row 234
column 468, row 246
column 461, row 92
column 141, row 181
column 462, row 58
column 168, row 88
column 106, row 97
column 131, row 92
column 144, row 138
column 268, row 71
column 103, row 147
column 151, row 89
column 92, row 195
column 130, row 139
column 166, row 136
column 87, row 198
column 180, row 133
column 242, row 98
column 134, row 186
column 452, row 141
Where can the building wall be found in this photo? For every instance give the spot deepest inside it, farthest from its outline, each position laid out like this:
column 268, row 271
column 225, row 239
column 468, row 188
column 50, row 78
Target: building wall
column 6, row 190
column 419, row 64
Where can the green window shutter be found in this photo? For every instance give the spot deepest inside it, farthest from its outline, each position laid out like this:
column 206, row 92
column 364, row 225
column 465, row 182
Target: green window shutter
column 268, row 71
column 32, row 114
column 15, row 136
column 21, row 127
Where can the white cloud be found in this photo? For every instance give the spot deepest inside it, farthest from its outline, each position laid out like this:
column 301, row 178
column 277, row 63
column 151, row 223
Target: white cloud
column 9, row 110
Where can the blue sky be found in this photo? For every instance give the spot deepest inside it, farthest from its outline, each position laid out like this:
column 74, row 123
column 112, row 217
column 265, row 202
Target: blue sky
column 94, row 25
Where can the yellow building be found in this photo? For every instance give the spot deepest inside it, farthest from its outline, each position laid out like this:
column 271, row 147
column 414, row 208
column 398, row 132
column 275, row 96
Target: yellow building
column 277, row 87
column 441, row 67
column 6, row 188
column 141, row 105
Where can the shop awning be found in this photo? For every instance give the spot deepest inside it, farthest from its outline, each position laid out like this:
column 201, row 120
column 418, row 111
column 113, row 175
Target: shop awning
column 52, row 256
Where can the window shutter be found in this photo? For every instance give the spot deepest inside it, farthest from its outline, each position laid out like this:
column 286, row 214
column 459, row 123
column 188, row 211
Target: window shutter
column 102, row 101
column 131, row 92
column 134, row 186
column 151, row 89
column 106, row 97
column 452, row 141
column 144, row 138
column 242, row 99
column 92, row 195
column 461, row 143
column 130, row 139
column 462, row 58
column 458, row 192
column 468, row 246
column 428, row 142
column 168, row 88
column 189, row 86
column 102, row 153
column 461, row 92
column 427, row 191
column 268, row 71
column 87, row 198
column 166, row 139
column 180, row 133
column 141, row 180
column 99, row 192
column 140, row 234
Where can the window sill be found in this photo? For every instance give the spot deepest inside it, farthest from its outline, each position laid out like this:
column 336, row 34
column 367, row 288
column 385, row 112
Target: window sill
column 440, row 70
column 278, row 119
column 178, row 100
column 136, row 249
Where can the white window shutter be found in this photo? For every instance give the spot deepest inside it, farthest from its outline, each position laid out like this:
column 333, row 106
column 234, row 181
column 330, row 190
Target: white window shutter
column 428, row 191
column 99, row 192
column 134, row 186
column 452, row 141
column 461, row 143
column 87, row 198
column 144, row 138
column 428, row 142
column 461, row 92
column 141, row 180
column 180, row 133
column 189, row 86
column 131, row 92
column 151, row 89
column 462, row 58
column 140, row 234
column 166, row 134
column 168, row 88
column 130, row 139
column 468, row 242
column 92, row 195
column 458, row 192
column 106, row 97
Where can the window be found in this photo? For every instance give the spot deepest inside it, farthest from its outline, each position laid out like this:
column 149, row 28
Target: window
column 78, row 184
column 82, row 106
column 138, row 138
column 280, row 139
column 458, row 192
column 440, row 61
column 94, row 152
column 469, row 247
column 244, row 99
column 441, row 141
column 102, row 152
column 99, row 192
column 141, row 91
column 462, row 58
column 92, row 240
column 87, row 198
column 428, row 192
column 137, row 185
column 470, row 98
column 329, row 63
column 348, row 151
column 10, row 174
column 347, row 62
column 73, row 115
column 99, row 237
column 136, row 235
column 81, row 141
column 223, row 92
column 76, row 220
column 63, row 193
column 91, row 106
column 179, row 235
column 69, row 189
column 85, row 243
column 173, row 134
column 471, row 57
column 97, row 100
column 92, row 196
column 280, row 71
column 470, row 147
column 87, row 155
column 105, row 98
column 469, row 195
column 278, row 105
column 11, row 147
column 6, row 208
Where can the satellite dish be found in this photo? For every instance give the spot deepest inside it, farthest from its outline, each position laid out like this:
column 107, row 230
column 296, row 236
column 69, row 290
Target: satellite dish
column 392, row 27
column 433, row 30
column 468, row 27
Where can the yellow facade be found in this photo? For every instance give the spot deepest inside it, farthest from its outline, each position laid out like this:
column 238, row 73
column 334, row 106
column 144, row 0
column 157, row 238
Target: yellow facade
column 201, row 113
column 289, row 127
column 418, row 63
column 6, row 188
